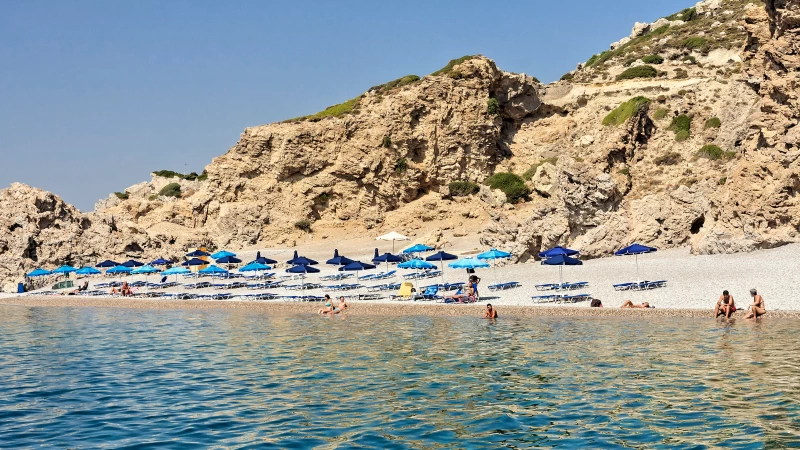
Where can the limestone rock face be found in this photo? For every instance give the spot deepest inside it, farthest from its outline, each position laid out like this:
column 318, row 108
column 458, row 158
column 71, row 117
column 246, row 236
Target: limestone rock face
column 41, row 230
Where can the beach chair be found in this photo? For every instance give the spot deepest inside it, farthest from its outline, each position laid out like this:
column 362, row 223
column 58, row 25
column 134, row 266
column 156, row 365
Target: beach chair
column 504, row 286
column 546, row 287
column 405, row 292
column 366, row 277
column 431, row 293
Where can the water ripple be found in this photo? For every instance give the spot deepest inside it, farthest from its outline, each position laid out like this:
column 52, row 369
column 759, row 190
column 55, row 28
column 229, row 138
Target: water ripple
column 99, row 378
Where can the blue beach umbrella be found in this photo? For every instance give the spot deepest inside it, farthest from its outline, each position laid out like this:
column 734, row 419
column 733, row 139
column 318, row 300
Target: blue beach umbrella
column 357, row 266
column 558, row 251
column 417, row 264
column 635, row 250
column 210, row 270
column 65, row 269
column 254, row 266
column 302, row 268
column 387, row 258
column 197, row 254
column 132, row 263
column 194, row 262
column 228, row 260
column 262, row 260
column 107, row 263
column 302, row 261
column 418, row 248
column 144, row 270
column 160, row 262
column 119, row 269
column 492, row 255
column 39, row 273
column 469, row 263
column 561, row 261
column 176, row 271
column 441, row 256
column 222, row 254
column 338, row 260
column 87, row 271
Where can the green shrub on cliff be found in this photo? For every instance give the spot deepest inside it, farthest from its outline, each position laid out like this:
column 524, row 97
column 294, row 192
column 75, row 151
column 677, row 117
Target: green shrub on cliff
column 512, row 185
column 625, row 111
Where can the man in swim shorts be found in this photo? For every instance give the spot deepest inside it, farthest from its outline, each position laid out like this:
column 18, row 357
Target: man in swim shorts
column 725, row 305
column 490, row 312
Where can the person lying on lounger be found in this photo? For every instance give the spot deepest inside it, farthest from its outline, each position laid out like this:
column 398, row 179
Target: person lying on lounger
column 725, row 305
column 490, row 312
column 470, row 293
column 630, row 304
column 757, row 308
column 80, row 289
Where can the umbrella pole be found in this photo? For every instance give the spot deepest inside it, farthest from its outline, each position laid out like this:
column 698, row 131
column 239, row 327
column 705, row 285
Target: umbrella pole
column 636, row 257
column 561, row 276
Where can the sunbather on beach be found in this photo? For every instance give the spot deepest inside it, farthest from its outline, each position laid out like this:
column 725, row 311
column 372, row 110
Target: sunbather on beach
column 470, row 293
column 757, row 308
column 80, row 289
column 630, row 304
column 490, row 312
column 328, row 305
column 725, row 305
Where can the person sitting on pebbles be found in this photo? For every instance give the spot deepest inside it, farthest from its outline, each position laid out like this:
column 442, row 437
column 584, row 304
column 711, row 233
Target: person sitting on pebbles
column 725, row 305
column 490, row 312
column 630, row 304
column 757, row 308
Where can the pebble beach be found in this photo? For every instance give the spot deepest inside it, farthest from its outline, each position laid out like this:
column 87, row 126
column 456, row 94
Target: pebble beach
column 694, row 282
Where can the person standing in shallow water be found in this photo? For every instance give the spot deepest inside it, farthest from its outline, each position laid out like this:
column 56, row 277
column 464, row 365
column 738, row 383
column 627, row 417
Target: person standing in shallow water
column 757, row 308
column 490, row 312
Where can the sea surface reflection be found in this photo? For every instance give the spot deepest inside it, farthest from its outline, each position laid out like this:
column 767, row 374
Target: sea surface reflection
column 115, row 378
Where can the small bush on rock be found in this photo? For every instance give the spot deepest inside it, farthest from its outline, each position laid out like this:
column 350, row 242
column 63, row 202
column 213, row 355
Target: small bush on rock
column 625, row 111
column 400, row 166
column 303, row 225
column 512, row 185
column 681, row 125
column 669, row 159
column 653, row 59
column 660, row 113
column 171, row 190
column 713, row 122
column 532, row 171
column 463, row 188
column 492, row 107
column 713, row 152
column 638, row 72
column 121, row 195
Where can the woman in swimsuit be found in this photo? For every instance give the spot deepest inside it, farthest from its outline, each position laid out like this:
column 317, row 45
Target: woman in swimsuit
column 328, row 306
column 757, row 308
column 630, row 304
column 725, row 305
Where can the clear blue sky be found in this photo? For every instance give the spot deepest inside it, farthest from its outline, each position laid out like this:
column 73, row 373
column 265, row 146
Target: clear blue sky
column 94, row 95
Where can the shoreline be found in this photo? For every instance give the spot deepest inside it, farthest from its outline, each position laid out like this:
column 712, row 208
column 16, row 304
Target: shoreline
column 370, row 309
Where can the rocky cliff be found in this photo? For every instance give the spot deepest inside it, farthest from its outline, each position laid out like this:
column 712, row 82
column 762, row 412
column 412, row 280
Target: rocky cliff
column 683, row 133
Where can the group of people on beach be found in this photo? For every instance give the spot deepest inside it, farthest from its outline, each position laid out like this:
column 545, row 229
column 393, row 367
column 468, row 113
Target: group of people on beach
column 124, row 290
column 726, row 306
column 329, row 308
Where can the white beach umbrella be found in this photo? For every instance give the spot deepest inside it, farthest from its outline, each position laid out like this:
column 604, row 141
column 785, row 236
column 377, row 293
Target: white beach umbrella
column 393, row 236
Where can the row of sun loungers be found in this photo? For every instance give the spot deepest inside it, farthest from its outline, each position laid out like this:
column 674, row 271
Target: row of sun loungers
column 384, row 287
column 562, row 286
column 561, row 298
column 378, row 276
column 336, row 277
column 341, row 287
column 504, row 286
column 422, row 275
column 640, row 286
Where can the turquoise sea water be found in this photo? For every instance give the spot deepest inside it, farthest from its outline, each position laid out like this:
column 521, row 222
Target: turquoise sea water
column 113, row 378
